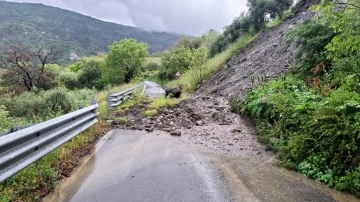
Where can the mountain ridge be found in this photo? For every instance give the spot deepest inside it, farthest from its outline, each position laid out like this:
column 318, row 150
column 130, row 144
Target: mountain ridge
column 78, row 35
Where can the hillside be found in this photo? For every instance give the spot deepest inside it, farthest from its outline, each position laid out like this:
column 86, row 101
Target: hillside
column 76, row 34
column 267, row 56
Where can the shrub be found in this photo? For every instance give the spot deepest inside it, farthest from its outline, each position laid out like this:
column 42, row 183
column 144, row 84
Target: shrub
column 68, row 79
column 316, row 134
column 5, row 121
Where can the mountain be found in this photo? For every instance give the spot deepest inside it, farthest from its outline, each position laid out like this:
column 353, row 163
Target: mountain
column 75, row 34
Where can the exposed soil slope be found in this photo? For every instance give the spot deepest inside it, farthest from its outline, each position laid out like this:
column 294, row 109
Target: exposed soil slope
column 268, row 55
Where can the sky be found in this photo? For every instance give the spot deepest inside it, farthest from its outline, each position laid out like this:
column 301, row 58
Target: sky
column 191, row 17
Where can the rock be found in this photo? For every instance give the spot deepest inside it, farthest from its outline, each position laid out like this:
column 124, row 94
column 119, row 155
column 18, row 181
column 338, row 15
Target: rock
column 110, row 122
column 175, row 133
column 132, row 128
column 225, row 122
column 199, row 123
column 148, row 126
column 171, row 123
column 236, row 130
column 166, row 129
column 149, row 129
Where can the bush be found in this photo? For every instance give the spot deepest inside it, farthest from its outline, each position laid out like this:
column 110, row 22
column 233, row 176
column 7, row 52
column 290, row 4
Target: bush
column 181, row 60
column 314, row 133
column 46, row 104
column 5, row 121
column 89, row 76
column 68, row 79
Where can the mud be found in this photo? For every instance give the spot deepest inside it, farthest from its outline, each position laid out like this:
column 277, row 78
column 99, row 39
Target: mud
column 267, row 56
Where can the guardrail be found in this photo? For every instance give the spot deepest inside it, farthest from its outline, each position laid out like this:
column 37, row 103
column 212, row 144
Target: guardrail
column 115, row 99
column 22, row 148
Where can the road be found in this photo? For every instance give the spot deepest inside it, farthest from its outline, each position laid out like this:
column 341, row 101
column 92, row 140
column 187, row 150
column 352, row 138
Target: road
column 153, row 89
column 138, row 166
column 134, row 166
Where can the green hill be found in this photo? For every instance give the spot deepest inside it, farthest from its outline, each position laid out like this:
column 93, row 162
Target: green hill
column 75, row 34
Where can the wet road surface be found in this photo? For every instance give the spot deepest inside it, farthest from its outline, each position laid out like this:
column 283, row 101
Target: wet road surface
column 153, row 89
column 139, row 166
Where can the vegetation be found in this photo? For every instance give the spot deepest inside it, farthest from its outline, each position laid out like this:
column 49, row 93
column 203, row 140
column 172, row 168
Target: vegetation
column 76, row 35
column 124, row 61
column 127, row 62
column 311, row 116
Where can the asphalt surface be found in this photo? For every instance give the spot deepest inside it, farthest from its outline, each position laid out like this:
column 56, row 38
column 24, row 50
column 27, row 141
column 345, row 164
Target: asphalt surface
column 135, row 166
column 139, row 166
column 153, row 89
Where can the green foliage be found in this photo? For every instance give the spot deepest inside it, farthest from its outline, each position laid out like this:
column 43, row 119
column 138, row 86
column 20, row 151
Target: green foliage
column 181, row 60
column 313, row 37
column 75, row 34
column 124, row 61
column 344, row 19
column 261, row 11
column 68, row 79
column 44, row 105
column 5, row 121
column 198, row 74
column 90, row 75
column 316, row 134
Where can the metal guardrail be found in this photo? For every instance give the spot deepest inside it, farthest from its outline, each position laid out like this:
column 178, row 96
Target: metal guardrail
column 22, row 148
column 115, row 99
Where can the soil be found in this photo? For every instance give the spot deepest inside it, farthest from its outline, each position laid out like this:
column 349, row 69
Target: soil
column 267, row 56
column 203, row 121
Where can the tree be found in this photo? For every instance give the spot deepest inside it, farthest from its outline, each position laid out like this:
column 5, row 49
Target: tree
column 89, row 76
column 261, row 11
column 25, row 66
column 181, row 60
column 124, row 61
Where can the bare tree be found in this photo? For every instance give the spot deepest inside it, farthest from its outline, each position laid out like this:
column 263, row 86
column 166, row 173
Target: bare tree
column 25, row 66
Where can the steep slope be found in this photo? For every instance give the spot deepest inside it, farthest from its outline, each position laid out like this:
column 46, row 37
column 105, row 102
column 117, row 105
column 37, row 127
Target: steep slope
column 76, row 34
column 268, row 55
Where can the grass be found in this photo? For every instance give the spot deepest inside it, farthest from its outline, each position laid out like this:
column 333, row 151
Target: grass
column 102, row 98
column 195, row 76
column 159, row 103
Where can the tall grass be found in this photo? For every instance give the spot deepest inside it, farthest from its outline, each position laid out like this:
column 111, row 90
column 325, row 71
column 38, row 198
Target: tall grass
column 195, row 76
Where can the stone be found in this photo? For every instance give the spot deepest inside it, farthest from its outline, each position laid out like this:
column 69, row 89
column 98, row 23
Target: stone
column 166, row 129
column 149, row 129
column 199, row 123
column 175, row 133
column 110, row 122
column 236, row 130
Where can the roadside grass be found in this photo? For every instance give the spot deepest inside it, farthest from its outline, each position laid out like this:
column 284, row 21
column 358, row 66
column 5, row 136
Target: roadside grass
column 157, row 104
column 196, row 76
column 102, row 98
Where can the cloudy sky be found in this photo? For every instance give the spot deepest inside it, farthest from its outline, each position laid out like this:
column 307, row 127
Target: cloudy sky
column 192, row 17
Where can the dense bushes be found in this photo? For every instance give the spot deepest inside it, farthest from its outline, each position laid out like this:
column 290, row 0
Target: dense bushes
column 40, row 106
column 313, row 118
column 316, row 134
column 181, row 60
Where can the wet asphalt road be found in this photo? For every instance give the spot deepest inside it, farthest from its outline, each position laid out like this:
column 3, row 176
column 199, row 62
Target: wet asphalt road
column 135, row 166
column 153, row 89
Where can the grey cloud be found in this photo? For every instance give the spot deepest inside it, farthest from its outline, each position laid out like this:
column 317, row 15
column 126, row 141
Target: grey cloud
column 191, row 17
